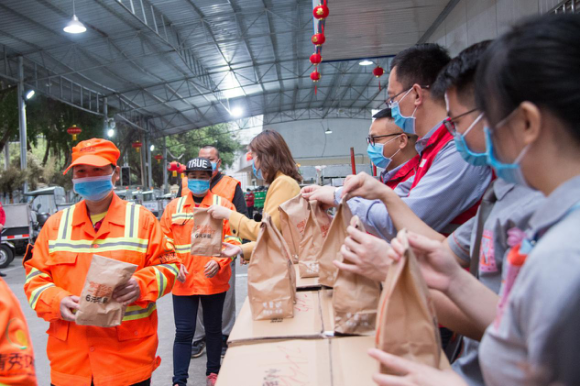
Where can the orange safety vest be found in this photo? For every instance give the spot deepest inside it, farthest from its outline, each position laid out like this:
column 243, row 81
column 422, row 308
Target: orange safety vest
column 116, row 356
column 16, row 354
column 226, row 187
column 177, row 224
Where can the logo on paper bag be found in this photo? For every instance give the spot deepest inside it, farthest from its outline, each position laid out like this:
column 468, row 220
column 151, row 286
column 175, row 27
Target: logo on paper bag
column 272, row 308
column 99, row 293
column 311, row 266
column 301, row 225
column 203, row 232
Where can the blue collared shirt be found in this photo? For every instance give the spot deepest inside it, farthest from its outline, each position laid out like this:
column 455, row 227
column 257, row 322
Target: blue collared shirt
column 450, row 187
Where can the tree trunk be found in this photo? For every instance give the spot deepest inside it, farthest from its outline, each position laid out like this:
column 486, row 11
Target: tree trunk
column 46, row 153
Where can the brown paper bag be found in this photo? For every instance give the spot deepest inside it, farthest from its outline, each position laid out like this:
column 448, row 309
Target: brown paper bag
column 332, row 244
column 314, row 234
column 407, row 324
column 96, row 305
column 206, row 238
column 355, row 299
column 294, row 214
column 271, row 276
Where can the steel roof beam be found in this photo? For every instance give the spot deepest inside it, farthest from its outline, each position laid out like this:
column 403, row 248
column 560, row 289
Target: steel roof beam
column 274, row 46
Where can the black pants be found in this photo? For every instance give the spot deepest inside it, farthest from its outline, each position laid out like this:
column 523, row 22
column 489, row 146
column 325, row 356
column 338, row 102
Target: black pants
column 251, row 212
column 144, row 383
column 185, row 314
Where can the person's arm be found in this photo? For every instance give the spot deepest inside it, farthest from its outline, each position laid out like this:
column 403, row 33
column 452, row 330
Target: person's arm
column 228, row 239
column 162, row 265
column 281, row 190
column 239, row 201
column 451, row 316
column 43, row 295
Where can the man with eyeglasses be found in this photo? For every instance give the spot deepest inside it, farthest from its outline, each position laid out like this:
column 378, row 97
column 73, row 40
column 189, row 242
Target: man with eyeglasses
column 445, row 191
column 391, row 149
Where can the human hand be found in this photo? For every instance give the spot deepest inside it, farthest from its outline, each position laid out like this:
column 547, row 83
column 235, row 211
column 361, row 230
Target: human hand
column 230, row 250
column 323, row 194
column 128, row 293
column 438, row 266
column 366, row 254
column 364, row 186
column 308, row 190
column 411, row 373
column 68, row 305
column 219, row 212
column 183, row 272
column 211, row 269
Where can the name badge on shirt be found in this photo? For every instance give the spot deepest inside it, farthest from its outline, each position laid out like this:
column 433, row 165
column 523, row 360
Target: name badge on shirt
column 423, row 161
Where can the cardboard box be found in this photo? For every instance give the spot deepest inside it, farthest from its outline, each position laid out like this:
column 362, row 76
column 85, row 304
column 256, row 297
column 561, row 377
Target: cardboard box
column 306, row 284
column 321, row 362
column 306, row 323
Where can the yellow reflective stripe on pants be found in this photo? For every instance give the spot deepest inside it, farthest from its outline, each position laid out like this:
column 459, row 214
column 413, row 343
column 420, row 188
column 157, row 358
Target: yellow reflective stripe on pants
column 36, row 294
column 136, row 312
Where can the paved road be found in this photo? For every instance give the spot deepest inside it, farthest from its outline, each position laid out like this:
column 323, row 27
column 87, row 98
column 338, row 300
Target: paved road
column 162, row 376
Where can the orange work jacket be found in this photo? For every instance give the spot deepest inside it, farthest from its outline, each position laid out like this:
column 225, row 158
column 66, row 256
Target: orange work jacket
column 226, row 187
column 177, row 224
column 116, row 356
column 16, row 354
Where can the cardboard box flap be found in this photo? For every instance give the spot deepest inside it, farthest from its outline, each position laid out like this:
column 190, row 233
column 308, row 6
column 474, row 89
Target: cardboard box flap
column 306, row 323
column 291, row 362
column 351, row 364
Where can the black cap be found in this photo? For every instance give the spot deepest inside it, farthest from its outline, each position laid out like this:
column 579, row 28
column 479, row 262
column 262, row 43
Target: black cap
column 384, row 113
column 202, row 164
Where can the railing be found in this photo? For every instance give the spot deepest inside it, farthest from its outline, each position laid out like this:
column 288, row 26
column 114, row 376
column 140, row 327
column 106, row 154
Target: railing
column 568, row 6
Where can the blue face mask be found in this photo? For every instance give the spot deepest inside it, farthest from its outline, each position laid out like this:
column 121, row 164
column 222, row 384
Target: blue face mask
column 376, row 155
column 198, row 187
column 257, row 172
column 214, row 166
column 405, row 123
column 511, row 173
column 476, row 159
column 93, row 188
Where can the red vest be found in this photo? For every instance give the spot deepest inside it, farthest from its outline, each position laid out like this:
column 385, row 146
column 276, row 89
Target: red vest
column 403, row 174
column 437, row 141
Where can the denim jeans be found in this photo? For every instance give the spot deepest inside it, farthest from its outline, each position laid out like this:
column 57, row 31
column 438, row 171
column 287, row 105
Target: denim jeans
column 185, row 314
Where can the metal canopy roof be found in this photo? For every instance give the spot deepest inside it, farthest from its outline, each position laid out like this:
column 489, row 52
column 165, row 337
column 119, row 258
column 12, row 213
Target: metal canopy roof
column 168, row 66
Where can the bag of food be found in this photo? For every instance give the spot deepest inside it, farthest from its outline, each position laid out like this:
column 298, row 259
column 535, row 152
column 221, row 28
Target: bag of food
column 314, row 234
column 330, row 250
column 271, row 276
column 96, row 305
column 407, row 324
column 355, row 299
column 206, row 238
column 293, row 216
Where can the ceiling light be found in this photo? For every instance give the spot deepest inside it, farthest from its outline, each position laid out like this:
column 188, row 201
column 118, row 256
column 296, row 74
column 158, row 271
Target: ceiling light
column 110, row 133
column 365, row 62
column 328, row 131
column 30, row 94
column 236, row 112
column 152, row 147
column 75, row 26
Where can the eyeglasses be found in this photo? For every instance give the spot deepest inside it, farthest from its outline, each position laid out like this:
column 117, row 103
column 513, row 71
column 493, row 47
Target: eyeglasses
column 390, row 102
column 450, row 122
column 372, row 139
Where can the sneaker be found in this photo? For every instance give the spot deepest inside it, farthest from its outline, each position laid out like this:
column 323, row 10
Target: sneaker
column 224, row 349
column 211, row 379
column 197, row 348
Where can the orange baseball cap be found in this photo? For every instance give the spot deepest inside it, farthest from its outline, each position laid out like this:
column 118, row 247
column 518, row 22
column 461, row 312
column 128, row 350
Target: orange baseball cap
column 94, row 152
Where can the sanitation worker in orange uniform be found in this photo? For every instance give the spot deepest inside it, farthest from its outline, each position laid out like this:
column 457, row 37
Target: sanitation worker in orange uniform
column 106, row 225
column 16, row 355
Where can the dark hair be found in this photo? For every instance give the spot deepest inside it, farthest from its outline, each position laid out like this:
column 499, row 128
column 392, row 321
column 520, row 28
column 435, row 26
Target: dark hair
column 384, row 113
column 538, row 61
column 459, row 73
column 208, row 147
column 274, row 156
column 420, row 64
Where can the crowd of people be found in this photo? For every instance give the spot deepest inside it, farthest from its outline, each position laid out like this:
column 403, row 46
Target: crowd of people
column 481, row 159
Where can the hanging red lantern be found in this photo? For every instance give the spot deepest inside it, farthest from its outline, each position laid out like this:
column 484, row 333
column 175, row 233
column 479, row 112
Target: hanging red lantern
column 182, row 169
column 378, row 72
column 315, row 76
column 158, row 157
column 137, row 146
column 74, row 131
column 321, row 11
column 173, row 167
column 315, row 59
column 318, row 39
